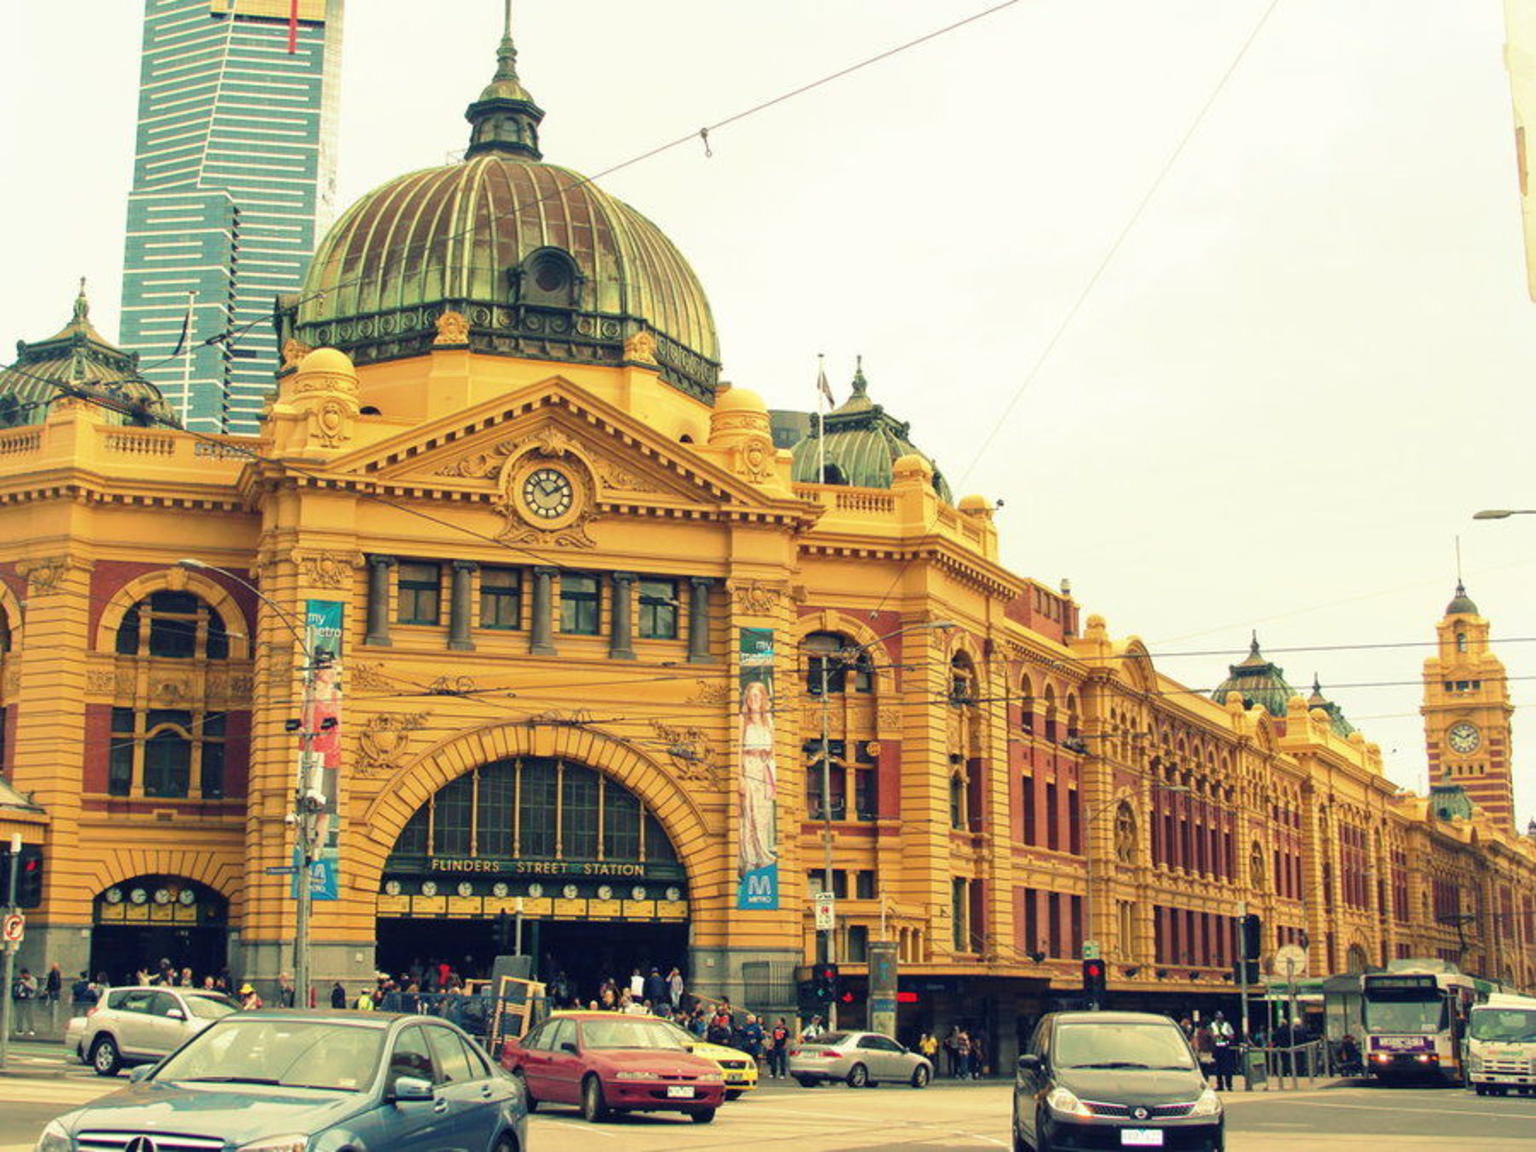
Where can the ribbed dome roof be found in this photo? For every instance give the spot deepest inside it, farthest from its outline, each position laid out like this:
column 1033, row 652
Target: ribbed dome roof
column 1257, row 681
column 541, row 261
column 1461, row 604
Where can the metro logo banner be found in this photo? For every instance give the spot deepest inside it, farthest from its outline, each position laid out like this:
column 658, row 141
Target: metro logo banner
column 323, row 621
column 758, row 864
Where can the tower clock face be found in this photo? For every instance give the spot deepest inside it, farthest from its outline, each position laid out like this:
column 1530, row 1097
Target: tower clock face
column 548, row 494
column 1463, row 738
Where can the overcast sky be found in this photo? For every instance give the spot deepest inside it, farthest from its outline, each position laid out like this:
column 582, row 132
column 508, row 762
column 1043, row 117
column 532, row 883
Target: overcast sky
column 1309, row 362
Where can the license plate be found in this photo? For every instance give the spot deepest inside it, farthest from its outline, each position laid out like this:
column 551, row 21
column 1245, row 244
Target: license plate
column 1141, row 1137
column 685, row 1092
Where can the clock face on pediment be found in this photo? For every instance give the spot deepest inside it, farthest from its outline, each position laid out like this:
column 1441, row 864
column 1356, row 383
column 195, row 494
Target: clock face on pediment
column 1463, row 738
column 547, row 493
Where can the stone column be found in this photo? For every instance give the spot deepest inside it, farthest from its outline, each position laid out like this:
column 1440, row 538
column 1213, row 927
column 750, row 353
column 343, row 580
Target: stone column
column 460, row 606
column 541, row 628
column 378, row 600
column 698, row 620
column 621, row 644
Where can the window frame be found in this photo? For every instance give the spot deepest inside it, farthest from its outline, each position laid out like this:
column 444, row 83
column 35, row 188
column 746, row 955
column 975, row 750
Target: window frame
column 653, row 607
column 572, row 603
column 498, row 596
column 415, row 589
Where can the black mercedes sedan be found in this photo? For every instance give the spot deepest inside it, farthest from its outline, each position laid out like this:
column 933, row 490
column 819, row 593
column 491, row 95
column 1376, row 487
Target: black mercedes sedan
column 1112, row 1080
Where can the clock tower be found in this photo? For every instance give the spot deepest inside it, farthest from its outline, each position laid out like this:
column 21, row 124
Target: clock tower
column 1466, row 713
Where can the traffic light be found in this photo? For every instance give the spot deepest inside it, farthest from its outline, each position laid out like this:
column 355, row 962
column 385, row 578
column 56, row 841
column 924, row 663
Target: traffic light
column 1252, row 936
column 502, row 932
column 1094, row 972
column 29, row 885
column 824, row 982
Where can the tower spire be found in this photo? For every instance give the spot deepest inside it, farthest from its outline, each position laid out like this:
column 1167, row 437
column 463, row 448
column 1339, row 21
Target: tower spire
column 505, row 118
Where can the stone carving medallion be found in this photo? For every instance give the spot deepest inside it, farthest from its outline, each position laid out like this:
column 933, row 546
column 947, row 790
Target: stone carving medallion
column 329, row 569
column 452, row 328
column 384, row 740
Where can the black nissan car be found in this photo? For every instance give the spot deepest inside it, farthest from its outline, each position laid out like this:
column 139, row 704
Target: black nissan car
column 1109, row 1080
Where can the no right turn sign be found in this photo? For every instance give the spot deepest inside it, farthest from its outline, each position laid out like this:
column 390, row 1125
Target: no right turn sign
column 13, row 928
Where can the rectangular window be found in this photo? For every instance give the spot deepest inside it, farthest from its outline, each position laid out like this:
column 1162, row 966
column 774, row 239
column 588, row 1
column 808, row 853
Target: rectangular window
column 536, row 810
column 578, row 604
column 493, row 810
column 657, row 845
column 621, row 823
column 866, row 795
column 120, row 754
column 1053, row 923
column 450, row 817
column 1075, row 910
column 858, row 944
column 1029, row 809
column 959, row 906
column 173, row 624
column 1052, row 823
column 501, row 598
column 420, row 585
column 211, row 766
column 864, row 885
column 1074, row 824
column 578, row 814
column 658, row 610
column 1031, row 920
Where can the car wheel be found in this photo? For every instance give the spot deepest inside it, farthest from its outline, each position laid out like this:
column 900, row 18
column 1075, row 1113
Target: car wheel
column 1480, row 1089
column 528, row 1101
column 594, row 1109
column 105, row 1058
column 858, row 1076
column 702, row 1116
column 920, row 1076
column 733, row 1093
column 806, row 1081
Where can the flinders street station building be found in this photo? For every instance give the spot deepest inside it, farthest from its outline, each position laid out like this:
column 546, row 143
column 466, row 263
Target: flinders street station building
column 553, row 622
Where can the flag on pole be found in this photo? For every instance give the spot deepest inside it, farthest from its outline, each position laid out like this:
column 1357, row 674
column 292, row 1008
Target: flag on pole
column 293, row 26
column 821, row 384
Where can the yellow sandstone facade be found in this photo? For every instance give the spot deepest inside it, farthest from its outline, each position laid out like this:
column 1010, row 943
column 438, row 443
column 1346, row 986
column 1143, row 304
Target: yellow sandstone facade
column 562, row 553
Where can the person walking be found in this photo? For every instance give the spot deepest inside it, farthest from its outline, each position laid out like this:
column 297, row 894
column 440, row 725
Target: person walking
column 338, row 995
column 1224, row 1050
column 778, row 1050
column 656, row 990
column 929, row 1047
column 24, row 993
column 364, row 1001
column 1205, row 1050
column 675, row 989
column 285, row 990
column 53, row 991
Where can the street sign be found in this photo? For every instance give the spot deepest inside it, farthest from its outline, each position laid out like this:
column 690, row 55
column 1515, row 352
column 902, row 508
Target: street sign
column 280, row 870
column 1290, row 961
column 826, row 912
column 13, row 928
column 1090, row 949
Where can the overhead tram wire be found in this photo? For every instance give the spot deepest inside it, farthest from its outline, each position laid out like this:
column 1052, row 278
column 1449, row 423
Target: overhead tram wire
column 1103, row 265
column 229, row 335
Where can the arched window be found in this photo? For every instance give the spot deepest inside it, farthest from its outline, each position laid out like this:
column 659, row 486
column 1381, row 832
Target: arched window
column 1050, row 713
column 5, row 632
column 159, row 752
column 832, row 474
column 173, row 626
column 550, row 278
column 957, row 800
column 840, row 660
column 1026, row 705
column 962, row 681
column 1461, row 640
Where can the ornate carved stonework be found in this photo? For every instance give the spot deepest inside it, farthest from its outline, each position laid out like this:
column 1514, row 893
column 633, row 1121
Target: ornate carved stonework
column 13, row 682
column 43, row 575
column 384, row 740
column 329, row 569
column 712, row 692
column 361, row 674
column 480, row 465
column 452, row 686
column 452, row 328
column 171, row 691
column 293, row 352
column 756, row 598
column 689, row 749
column 616, row 476
column 753, row 459
column 641, row 348
column 232, row 689
column 889, row 720
column 548, row 446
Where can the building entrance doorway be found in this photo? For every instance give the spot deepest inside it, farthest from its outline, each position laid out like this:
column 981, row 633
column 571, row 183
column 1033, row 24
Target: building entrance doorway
column 143, row 922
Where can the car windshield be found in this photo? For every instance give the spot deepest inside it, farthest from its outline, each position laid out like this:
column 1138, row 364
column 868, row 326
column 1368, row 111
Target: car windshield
column 288, row 1053
column 212, row 1007
column 1505, row 1025
column 631, row 1033
column 1121, row 1046
column 831, row 1039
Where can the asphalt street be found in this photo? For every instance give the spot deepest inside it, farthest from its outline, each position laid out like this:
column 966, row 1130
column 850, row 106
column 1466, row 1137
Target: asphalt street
column 38, row 1086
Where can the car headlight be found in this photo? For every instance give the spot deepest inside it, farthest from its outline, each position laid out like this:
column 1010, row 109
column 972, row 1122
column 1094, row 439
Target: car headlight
column 633, row 1076
column 1061, row 1100
column 277, row 1144
column 1209, row 1104
column 711, row 1078
column 54, row 1138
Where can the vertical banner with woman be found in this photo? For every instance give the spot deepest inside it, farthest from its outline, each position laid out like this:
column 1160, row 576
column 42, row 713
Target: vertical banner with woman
column 322, row 640
column 758, row 867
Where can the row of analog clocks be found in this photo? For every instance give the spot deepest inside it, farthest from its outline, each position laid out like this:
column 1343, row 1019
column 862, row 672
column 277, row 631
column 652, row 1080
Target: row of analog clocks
column 501, row 891
column 186, row 897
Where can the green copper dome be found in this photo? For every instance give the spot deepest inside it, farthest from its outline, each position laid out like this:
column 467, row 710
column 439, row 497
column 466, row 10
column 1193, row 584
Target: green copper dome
column 863, row 442
column 79, row 361
column 1257, row 681
column 1336, row 720
column 541, row 261
column 1461, row 604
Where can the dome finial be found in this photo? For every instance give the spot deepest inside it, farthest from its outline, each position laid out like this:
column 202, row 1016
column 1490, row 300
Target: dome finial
column 1253, row 647
column 82, row 305
column 505, row 118
column 860, row 385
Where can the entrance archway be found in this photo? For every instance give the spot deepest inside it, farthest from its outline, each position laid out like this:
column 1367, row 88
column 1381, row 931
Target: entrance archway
column 141, row 922
column 544, row 848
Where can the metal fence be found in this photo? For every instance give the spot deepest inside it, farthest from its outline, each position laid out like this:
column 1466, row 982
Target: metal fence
column 470, row 1012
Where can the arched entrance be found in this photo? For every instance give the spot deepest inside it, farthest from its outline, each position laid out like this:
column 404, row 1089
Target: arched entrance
column 140, row 922
column 573, row 852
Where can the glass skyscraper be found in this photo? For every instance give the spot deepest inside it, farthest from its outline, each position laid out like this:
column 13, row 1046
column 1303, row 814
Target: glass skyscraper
column 234, row 174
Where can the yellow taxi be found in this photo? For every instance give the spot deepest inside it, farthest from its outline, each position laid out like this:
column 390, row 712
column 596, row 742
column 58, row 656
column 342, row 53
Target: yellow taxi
column 739, row 1068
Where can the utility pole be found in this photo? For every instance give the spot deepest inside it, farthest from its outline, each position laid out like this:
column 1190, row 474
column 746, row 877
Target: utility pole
column 10, row 953
column 308, row 804
column 826, row 825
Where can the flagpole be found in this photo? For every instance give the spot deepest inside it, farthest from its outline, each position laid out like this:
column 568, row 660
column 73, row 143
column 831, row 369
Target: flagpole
column 186, row 361
column 821, row 420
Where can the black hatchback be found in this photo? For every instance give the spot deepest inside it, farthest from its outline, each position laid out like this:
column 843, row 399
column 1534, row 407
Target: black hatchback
column 1111, row 1080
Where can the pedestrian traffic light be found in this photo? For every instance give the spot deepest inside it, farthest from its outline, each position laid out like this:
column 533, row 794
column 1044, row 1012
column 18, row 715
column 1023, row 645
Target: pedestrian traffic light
column 1093, row 978
column 29, row 884
column 502, row 932
column 824, row 982
column 1253, row 937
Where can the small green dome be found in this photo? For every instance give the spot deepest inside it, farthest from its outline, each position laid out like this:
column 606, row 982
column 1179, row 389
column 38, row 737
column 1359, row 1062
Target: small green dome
column 863, row 442
column 1336, row 720
column 1461, row 604
column 1257, row 681
column 541, row 261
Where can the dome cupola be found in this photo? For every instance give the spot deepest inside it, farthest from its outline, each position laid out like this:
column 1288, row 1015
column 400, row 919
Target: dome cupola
column 1257, row 681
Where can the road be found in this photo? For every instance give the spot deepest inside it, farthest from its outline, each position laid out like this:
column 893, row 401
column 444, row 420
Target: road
column 943, row 1118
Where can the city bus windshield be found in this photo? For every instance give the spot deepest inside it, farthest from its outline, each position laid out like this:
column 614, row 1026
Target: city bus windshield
column 1417, row 1017
column 1505, row 1025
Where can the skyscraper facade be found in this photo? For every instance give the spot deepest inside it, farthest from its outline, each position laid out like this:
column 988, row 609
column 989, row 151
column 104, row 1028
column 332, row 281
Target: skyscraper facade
column 234, row 172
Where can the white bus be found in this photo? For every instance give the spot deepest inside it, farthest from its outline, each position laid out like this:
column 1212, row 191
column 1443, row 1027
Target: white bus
column 1415, row 1016
column 1501, row 1045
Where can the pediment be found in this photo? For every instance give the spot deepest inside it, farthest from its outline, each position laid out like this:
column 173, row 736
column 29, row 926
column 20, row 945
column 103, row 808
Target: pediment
column 625, row 462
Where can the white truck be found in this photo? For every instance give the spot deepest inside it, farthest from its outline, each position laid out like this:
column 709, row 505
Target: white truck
column 1501, row 1046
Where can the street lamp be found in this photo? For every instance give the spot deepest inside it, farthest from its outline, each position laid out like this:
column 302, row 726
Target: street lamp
column 309, row 802
column 1502, row 513
column 841, row 655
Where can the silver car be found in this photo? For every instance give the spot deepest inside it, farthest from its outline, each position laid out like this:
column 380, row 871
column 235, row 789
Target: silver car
column 141, row 1025
column 859, row 1059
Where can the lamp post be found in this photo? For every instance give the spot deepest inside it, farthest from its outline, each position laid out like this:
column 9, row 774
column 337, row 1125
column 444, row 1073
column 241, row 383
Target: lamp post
column 841, row 654
column 10, row 952
column 1502, row 513
column 308, row 800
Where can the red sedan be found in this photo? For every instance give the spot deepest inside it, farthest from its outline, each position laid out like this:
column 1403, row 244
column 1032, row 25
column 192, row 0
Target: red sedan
column 604, row 1062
